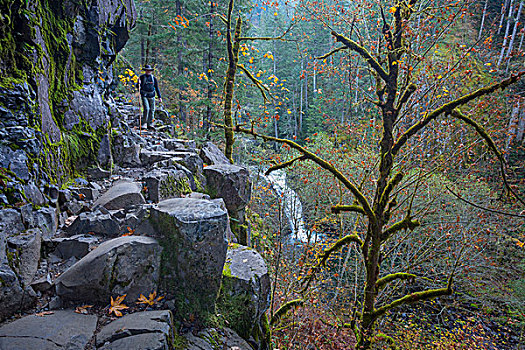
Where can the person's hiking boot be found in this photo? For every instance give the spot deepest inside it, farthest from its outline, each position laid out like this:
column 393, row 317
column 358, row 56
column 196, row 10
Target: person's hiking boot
column 151, row 127
column 144, row 126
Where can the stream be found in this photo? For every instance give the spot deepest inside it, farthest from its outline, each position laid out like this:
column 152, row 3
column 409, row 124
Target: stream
column 293, row 208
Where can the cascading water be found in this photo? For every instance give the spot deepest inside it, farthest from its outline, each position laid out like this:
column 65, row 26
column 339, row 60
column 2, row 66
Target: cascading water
column 293, row 208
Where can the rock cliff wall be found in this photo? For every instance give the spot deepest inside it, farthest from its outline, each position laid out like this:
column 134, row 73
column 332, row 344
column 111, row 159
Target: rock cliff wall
column 55, row 69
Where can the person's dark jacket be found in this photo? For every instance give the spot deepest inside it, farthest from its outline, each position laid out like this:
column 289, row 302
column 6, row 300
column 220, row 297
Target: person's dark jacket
column 148, row 85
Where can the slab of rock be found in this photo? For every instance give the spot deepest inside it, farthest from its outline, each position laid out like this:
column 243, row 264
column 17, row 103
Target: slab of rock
column 126, row 265
column 212, row 155
column 193, row 235
column 87, row 193
column 245, row 284
column 25, row 248
column 152, row 330
column 212, row 339
column 61, row 330
column 231, row 183
column 166, row 183
column 42, row 284
column 122, row 194
column 77, row 246
column 94, row 223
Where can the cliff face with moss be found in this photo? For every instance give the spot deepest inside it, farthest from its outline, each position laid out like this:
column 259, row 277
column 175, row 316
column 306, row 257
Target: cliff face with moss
column 55, row 73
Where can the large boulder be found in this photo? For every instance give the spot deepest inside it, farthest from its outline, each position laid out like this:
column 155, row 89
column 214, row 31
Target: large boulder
column 76, row 246
column 126, row 265
column 34, row 195
column 193, row 235
column 212, row 155
column 152, row 330
column 213, row 338
column 60, row 330
column 231, row 183
column 245, row 292
column 178, row 144
column 122, row 194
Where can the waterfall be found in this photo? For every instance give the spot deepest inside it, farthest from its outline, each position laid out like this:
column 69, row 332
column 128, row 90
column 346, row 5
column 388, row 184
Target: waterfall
column 293, row 208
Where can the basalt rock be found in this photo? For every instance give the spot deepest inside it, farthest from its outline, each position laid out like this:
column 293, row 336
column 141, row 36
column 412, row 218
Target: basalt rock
column 122, row 194
column 245, row 293
column 126, row 265
column 163, row 184
column 193, row 235
column 212, row 155
column 213, row 338
column 25, row 251
column 142, row 330
column 231, row 183
column 61, row 330
column 14, row 298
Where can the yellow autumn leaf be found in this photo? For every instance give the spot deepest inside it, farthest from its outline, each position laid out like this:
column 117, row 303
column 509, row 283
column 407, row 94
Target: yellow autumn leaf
column 117, row 306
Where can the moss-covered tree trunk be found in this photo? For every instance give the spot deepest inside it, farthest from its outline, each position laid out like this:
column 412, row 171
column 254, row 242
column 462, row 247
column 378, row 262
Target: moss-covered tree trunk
column 233, row 59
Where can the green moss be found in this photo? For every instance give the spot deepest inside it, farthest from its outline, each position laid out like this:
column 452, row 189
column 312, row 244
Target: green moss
column 191, row 301
column 13, row 259
column 226, row 271
column 198, row 184
column 178, row 342
column 234, row 308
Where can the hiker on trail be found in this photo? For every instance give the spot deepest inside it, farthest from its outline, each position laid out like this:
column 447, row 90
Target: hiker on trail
column 148, row 88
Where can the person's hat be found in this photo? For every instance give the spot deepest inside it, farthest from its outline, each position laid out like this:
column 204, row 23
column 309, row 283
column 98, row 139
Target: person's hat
column 148, row 67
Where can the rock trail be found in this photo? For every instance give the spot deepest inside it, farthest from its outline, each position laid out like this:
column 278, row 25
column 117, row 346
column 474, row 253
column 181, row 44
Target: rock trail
column 146, row 226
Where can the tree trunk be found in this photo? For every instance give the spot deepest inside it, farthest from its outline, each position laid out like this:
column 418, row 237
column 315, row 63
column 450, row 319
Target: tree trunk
column 294, row 113
column 148, row 44
column 301, row 113
column 483, row 15
column 515, row 30
column 512, row 129
column 233, row 58
column 521, row 128
column 503, row 11
column 511, row 9
column 209, row 73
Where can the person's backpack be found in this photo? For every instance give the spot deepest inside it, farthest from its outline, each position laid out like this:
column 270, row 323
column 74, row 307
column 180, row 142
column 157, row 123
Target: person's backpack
column 147, row 86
